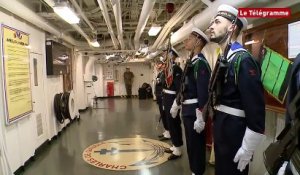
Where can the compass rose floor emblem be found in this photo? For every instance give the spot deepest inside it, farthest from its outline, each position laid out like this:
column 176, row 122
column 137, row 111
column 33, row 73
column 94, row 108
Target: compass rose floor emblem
column 126, row 154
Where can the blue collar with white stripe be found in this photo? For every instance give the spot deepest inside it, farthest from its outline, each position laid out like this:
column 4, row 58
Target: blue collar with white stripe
column 196, row 57
column 235, row 47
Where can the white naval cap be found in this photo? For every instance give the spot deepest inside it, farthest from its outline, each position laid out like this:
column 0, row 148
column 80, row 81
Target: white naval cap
column 231, row 13
column 200, row 34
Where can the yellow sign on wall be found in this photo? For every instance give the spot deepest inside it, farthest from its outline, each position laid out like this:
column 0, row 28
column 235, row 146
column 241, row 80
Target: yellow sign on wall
column 16, row 73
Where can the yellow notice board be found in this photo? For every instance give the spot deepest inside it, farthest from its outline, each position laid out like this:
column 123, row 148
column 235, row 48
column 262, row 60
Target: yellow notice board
column 16, row 73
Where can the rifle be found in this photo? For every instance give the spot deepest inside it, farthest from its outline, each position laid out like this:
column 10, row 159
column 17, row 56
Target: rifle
column 220, row 69
column 287, row 141
column 179, row 97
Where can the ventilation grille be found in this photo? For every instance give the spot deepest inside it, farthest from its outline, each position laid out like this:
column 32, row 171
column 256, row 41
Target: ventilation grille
column 39, row 124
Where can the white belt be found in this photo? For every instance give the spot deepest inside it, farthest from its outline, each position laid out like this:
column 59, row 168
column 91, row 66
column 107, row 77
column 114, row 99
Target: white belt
column 190, row 101
column 169, row 92
column 230, row 110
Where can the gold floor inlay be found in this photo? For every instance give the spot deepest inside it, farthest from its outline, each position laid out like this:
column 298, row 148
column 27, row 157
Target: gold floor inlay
column 126, row 154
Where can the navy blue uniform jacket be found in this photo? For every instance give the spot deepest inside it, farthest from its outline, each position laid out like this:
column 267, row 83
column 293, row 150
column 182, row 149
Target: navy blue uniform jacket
column 196, row 84
column 244, row 91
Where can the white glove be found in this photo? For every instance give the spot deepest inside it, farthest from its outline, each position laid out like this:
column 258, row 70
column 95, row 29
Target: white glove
column 282, row 168
column 199, row 124
column 174, row 109
column 250, row 141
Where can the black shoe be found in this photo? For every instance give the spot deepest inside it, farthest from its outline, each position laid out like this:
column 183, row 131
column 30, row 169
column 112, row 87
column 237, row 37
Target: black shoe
column 173, row 157
column 168, row 150
column 164, row 139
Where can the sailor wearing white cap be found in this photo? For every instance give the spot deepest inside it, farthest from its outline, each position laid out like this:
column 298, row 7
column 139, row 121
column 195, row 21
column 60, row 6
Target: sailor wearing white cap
column 239, row 120
column 171, row 87
column 158, row 90
column 194, row 96
column 199, row 34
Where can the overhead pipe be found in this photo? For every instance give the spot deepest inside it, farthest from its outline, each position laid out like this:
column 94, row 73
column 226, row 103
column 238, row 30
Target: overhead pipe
column 104, row 45
column 25, row 13
column 153, row 55
column 106, row 51
column 206, row 2
column 188, row 12
column 129, row 41
column 78, row 9
column 51, row 3
column 79, row 30
column 202, row 19
column 116, row 4
column 145, row 13
column 163, row 34
column 103, row 7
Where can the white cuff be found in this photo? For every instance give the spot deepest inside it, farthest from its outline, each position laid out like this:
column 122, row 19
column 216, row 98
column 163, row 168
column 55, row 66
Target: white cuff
column 251, row 140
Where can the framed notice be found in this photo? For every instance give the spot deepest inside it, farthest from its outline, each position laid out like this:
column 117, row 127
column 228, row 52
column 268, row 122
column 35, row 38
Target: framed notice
column 16, row 74
column 108, row 73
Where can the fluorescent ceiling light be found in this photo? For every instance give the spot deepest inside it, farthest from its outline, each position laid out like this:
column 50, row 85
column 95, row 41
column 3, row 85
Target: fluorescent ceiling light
column 109, row 56
column 95, row 43
column 66, row 13
column 251, row 42
column 154, row 30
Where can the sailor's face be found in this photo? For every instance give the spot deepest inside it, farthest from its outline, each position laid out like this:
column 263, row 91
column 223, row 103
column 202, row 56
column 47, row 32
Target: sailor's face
column 190, row 42
column 218, row 29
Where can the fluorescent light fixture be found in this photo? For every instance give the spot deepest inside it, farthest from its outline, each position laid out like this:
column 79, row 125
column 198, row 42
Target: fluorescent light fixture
column 251, row 42
column 109, row 56
column 66, row 13
column 154, row 30
column 95, row 43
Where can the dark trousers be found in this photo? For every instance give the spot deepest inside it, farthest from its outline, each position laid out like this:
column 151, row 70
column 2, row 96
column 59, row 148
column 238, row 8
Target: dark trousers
column 163, row 116
column 288, row 170
column 173, row 124
column 128, row 89
column 228, row 136
column 195, row 144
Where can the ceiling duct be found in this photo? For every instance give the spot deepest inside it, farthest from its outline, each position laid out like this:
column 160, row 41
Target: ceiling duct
column 145, row 13
column 103, row 7
column 116, row 4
